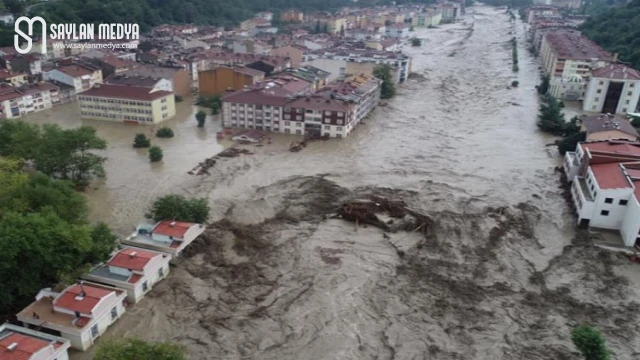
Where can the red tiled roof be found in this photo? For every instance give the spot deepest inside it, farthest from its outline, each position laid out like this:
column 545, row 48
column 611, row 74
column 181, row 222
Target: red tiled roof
column 126, row 92
column 176, row 229
column 574, row 46
column 74, row 70
column 132, row 259
column 617, row 71
column 92, row 297
column 27, row 346
column 610, row 176
column 134, row 278
column 614, row 147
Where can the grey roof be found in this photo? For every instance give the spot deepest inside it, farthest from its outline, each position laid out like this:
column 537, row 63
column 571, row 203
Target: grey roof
column 133, row 80
column 603, row 122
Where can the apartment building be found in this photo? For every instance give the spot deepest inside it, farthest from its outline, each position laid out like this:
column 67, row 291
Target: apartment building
column 613, row 89
column 80, row 313
column 81, row 76
column 432, row 17
column 19, row 101
column 18, row 343
column 13, row 78
column 292, row 15
column 129, row 104
column 132, row 269
column 28, row 63
column 152, row 83
column 566, row 53
column 225, row 78
column 167, row 236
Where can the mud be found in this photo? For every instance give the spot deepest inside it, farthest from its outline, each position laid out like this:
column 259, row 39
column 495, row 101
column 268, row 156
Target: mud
column 497, row 272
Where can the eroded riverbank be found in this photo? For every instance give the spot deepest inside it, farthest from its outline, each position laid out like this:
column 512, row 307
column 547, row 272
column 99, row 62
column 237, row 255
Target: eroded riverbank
column 504, row 275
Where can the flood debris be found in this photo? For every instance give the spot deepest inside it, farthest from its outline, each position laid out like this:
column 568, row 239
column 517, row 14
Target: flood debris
column 204, row 167
column 297, row 145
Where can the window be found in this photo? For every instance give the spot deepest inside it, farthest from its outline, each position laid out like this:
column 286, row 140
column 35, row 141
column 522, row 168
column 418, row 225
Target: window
column 94, row 330
column 287, row 131
column 599, row 91
column 339, row 128
column 623, row 202
column 595, row 194
column 338, row 136
column 627, row 102
column 597, row 99
column 624, row 110
column 299, row 132
column 327, row 113
column 161, row 272
column 604, row 212
column 114, row 313
column 287, row 123
column 327, row 127
column 601, row 82
column 631, row 85
column 629, row 93
column 145, row 286
column 298, row 124
column 608, row 200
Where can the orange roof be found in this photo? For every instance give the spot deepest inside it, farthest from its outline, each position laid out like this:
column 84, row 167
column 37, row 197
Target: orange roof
column 132, row 259
column 134, row 278
column 175, row 229
column 92, row 297
column 610, row 176
column 27, row 346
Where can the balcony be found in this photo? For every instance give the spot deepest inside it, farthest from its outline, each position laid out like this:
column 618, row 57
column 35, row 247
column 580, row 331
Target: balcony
column 584, row 189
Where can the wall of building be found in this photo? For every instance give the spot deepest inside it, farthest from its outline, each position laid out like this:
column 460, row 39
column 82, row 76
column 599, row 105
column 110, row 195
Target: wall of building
column 630, row 229
column 145, row 112
column 609, row 135
column 597, row 92
column 218, row 81
column 616, row 212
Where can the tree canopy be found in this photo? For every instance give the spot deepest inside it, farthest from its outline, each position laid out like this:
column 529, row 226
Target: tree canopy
column 590, row 343
column 388, row 88
column 135, row 349
column 617, row 31
column 179, row 208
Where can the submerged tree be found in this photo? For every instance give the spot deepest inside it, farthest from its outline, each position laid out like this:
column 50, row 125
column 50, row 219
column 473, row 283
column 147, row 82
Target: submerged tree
column 141, row 141
column 165, row 132
column 590, row 342
column 416, row 42
column 179, row 208
column 544, row 85
column 388, row 88
column 201, row 116
column 155, row 154
column 551, row 118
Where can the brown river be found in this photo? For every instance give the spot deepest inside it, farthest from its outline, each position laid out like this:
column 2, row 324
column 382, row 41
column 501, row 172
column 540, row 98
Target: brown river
column 505, row 276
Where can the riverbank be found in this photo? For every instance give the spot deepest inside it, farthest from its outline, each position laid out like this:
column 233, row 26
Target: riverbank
column 505, row 275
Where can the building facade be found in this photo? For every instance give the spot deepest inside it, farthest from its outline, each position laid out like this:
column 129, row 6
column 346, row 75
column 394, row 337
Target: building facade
column 613, row 89
column 220, row 80
column 567, row 53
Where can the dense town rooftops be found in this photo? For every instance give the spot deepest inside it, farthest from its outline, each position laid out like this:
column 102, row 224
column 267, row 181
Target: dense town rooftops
column 574, row 46
column 133, row 80
column 75, row 70
column 617, row 71
column 125, row 92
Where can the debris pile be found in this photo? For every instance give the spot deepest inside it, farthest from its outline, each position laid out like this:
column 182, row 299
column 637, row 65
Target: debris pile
column 297, row 146
column 208, row 163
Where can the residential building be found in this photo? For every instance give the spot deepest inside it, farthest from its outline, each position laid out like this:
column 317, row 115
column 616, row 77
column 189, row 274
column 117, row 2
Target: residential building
column 318, row 78
column 294, row 52
column 608, row 127
column 132, row 269
column 566, row 53
column 19, row 343
column 80, row 313
column 220, row 80
column 257, row 108
column 250, row 46
column 111, row 65
column 166, row 236
column 13, row 78
column 66, row 93
column 613, row 89
column 152, row 83
column 570, row 88
column 81, row 76
column 450, row 12
column 292, row 16
column 17, row 102
column 6, row 17
column 576, row 163
column 29, row 63
column 535, row 12
column 397, row 31
column 179, row 77
column 129, row 104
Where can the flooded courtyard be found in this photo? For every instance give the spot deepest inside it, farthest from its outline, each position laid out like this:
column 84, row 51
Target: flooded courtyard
column 502, row 274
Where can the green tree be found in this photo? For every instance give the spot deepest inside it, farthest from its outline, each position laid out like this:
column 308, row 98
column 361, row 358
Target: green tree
column 317, row 29
column 165, row 132
column 135, row 349
column 201, row 116
column 388, row 88
column 590, row 342
column 342, row 30
column 155, row 154
column 551, row 119
column 104, row 241
column 141, row 141
column 544, row 85
column 179, row 208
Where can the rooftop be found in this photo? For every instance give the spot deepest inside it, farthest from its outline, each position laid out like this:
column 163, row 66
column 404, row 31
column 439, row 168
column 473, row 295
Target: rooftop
column 175, row 229
column 610, row 176
column 126, row 92
column 599, row 123
column 574, row 46
column 132, row 259
column 613, row 147
column 133, row 80
column 81, row 298
column 617, row 71
column 25, row 344
column 152, row 71
column 74, row 70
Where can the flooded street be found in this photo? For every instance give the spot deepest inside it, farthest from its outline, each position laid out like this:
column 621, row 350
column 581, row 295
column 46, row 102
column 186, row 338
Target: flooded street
column 502, row 275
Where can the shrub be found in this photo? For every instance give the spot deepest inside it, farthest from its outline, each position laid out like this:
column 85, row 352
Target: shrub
column 201, row 116
column 155, row 154
column 590, row 343
column 515, row 83
column 164, row 132
column 141, row 141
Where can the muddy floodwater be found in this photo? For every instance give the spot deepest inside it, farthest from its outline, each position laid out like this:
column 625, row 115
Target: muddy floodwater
column 500, row 273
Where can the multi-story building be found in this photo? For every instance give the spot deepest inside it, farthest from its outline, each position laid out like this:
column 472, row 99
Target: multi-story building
column 398, row 61
column 132, row 269
column 13, row 78
column 152, row 83
column 397, row 31
column 179, row 77
column 566, row 53
column 534, row 12
column 81, row 76
column 19, row 343
column 605, row 188
column 80, row 313
column 431, row 17
column 29, row 63
column 16, row 102
column 223, row 79
column 129, row 104
column 292, row 15
column 167, row 236
column 608, row 127
column 613, row 89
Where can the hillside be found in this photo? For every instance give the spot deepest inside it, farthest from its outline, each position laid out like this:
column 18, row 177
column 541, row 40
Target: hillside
column 148, row 13
column 617, row 31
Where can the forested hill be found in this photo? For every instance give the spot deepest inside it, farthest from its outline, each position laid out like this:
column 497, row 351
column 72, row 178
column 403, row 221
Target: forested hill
column 618, row 31
column 148, row 13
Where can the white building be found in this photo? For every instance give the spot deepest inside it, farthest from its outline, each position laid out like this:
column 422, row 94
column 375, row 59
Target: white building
column 81, row 77
column 132, row 269
column 166, row 236
column 570, row 88
column 398, row 31
column 605, row 188
column 17, row 102
column 565, row 53
column 81, row 313
column 18, row 343
column 613, row 89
